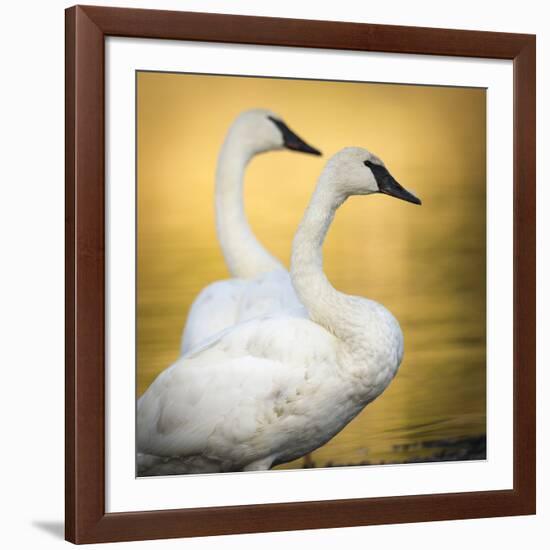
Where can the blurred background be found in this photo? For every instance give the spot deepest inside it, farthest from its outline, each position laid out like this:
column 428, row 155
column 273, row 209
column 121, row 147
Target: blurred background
column 426, row 264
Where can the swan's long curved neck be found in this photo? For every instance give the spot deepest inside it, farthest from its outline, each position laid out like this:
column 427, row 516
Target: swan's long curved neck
column 244, row 255
column 326, row 306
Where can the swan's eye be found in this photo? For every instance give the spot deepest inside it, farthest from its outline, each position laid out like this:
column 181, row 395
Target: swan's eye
column 368, row 163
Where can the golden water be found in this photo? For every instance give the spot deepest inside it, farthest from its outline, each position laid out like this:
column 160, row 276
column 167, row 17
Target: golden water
column 426, row 264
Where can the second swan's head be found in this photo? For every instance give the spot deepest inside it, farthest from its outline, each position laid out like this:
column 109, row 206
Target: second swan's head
column 260, row 130
column 356, row 171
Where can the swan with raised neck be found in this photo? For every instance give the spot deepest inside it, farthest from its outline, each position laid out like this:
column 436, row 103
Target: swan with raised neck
column 269, row 390
column 224, row 303
column 253, row 132
column 352, row 171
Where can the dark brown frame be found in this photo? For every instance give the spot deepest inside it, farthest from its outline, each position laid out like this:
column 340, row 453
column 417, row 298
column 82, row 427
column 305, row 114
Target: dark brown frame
column 86, row 29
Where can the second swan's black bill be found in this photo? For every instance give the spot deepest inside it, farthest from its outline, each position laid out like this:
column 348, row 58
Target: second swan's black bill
column 388, row 185
column 291, row 140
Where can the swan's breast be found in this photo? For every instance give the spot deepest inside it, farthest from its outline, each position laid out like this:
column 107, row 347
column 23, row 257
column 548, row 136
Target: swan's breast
column 374, row 353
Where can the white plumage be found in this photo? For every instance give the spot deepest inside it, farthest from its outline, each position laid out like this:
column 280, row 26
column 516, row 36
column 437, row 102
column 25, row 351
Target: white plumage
column 261, row 285
column 272, row 389
column 225, row 303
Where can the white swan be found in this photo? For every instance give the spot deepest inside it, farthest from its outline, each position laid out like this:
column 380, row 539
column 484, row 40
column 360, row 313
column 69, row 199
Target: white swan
column 270, row 390
column 224, row 303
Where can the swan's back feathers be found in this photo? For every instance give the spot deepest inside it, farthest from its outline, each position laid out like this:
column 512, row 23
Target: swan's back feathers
column 224, row 304
column 276, row 337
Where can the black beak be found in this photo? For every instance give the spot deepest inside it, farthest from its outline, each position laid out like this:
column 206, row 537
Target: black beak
column 389, row 186
column 292, row 141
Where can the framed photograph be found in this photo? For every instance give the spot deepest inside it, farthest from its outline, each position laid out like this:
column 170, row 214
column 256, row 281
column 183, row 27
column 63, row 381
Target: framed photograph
column 300, row 274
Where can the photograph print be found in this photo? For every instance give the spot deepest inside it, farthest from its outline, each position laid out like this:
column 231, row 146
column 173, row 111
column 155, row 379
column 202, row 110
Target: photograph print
column 311, row 274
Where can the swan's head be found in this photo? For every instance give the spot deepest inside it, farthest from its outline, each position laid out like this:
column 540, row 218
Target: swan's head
column 260, row 130
column 356, row 171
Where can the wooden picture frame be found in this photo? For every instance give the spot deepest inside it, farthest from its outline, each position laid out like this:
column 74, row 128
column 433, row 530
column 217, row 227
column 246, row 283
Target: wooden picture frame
column 86, row 30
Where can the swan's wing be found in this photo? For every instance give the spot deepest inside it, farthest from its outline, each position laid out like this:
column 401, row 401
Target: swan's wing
column 214, row 309
column 193, row 410
column 288, row 339
column 215, row 402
